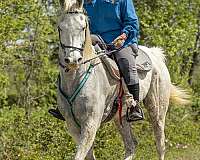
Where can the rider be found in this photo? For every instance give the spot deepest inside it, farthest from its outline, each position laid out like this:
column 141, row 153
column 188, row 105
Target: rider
column 116, row 22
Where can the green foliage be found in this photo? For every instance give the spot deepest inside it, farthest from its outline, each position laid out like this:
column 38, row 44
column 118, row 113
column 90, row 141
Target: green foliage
column 39, row 138
column 3, row 93
column 44, row 137
column 27, row 45
column 171, row 25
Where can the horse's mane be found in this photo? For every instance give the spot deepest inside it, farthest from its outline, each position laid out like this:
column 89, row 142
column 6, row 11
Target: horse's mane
column 88, row 51
column 72, row 5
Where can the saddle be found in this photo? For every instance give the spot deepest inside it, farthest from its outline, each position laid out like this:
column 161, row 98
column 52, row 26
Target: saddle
column 143, row 63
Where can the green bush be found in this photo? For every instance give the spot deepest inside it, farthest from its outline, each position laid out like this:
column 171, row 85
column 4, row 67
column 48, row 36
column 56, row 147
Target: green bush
column 43, row 137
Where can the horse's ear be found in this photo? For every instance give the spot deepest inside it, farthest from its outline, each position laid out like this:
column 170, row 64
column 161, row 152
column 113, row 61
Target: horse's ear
column 80, row 3
column 62, row 2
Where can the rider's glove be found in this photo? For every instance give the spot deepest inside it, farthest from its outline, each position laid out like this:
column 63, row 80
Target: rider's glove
column 119, row 41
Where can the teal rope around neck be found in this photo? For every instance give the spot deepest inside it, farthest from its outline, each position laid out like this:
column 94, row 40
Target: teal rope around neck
column 71, row 99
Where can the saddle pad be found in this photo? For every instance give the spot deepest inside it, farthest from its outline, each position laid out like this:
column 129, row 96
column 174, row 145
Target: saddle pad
column 143, row 64
column 143, row 61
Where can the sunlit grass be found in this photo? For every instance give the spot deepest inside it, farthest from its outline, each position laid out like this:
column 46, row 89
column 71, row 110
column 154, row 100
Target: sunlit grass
column 45, row 138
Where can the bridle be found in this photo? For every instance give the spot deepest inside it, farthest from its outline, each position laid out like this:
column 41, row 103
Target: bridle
column 63, row 46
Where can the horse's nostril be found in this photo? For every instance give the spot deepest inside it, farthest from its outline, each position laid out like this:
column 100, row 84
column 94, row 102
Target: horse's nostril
column 79, row 59
column 67, row 60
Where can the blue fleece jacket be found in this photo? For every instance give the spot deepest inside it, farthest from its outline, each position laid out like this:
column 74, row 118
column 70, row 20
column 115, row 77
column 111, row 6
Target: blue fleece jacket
column 109, row 20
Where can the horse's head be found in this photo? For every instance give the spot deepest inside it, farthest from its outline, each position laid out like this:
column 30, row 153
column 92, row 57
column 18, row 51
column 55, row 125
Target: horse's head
column 72, row 28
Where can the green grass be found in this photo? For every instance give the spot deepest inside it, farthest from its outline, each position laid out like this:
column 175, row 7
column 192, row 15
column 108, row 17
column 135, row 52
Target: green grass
column 45, row 138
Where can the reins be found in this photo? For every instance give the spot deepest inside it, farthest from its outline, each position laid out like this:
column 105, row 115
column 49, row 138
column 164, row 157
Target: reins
column 103, row 53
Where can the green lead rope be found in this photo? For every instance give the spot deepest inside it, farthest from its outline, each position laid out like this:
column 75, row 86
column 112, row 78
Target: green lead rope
column 72, row 98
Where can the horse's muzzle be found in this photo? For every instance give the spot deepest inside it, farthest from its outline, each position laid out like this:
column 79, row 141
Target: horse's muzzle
column 69, row 60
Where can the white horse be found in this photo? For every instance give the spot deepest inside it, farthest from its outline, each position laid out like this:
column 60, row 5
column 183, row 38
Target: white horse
column 86, row 90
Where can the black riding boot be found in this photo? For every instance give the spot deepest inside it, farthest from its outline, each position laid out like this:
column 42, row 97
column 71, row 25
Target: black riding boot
column 134, row 113
column 56, row 113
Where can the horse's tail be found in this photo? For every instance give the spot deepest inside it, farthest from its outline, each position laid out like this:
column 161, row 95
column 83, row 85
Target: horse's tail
column 179, row 95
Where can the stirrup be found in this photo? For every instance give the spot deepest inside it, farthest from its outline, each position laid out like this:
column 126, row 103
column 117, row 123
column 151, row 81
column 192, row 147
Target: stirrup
column 130, row 118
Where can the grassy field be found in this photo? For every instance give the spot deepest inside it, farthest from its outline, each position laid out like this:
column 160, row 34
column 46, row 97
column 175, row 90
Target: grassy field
column 45, row 138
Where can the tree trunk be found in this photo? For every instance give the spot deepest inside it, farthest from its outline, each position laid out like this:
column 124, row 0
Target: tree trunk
column 195, row 67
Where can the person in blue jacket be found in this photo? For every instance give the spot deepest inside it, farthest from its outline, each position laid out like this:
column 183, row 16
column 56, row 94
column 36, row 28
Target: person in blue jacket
column 115, row 22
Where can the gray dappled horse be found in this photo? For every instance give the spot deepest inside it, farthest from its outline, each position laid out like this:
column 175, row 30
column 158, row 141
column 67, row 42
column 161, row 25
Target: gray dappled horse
column 86, row 90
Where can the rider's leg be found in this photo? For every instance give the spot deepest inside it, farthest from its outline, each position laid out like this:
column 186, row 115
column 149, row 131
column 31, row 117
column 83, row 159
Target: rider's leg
column 126, row 62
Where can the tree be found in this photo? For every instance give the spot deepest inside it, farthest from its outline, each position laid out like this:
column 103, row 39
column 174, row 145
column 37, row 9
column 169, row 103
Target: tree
column 28, row 44
column 195, row 67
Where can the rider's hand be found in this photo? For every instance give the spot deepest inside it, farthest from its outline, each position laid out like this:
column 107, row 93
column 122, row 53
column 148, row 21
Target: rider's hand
column 119, row 41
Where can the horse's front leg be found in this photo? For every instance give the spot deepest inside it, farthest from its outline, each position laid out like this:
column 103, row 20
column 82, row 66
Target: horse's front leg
column 74, row 132
column 88, row 132
column 77, row 133
column 129, row 140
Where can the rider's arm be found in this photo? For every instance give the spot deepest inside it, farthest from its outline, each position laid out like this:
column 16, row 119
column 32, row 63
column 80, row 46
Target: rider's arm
column 129, row 19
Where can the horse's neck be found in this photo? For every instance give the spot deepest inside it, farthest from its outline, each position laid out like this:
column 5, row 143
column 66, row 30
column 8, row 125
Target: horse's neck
column 70, row 80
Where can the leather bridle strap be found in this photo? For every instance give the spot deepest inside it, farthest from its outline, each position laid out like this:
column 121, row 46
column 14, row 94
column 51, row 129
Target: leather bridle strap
column 63, row 46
